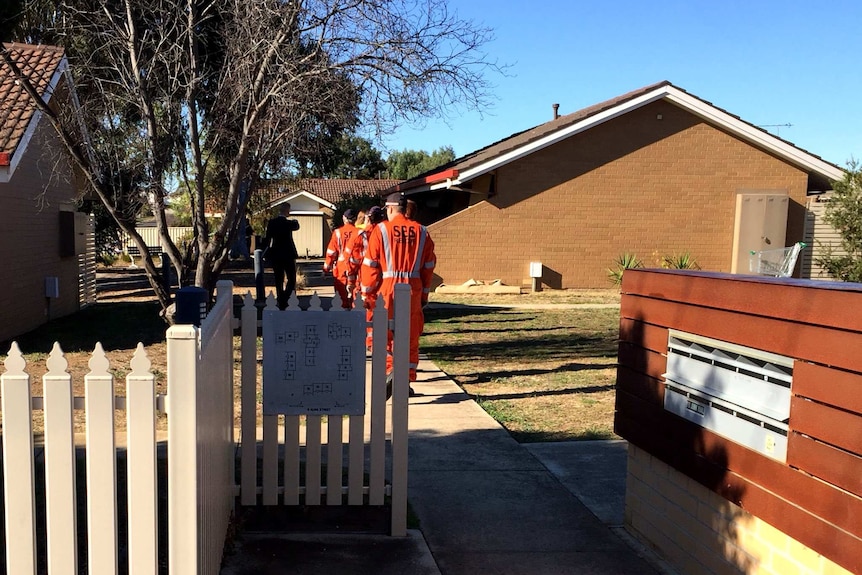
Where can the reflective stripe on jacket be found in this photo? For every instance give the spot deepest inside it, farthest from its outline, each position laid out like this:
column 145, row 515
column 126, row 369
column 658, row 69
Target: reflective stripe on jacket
column 399, row 251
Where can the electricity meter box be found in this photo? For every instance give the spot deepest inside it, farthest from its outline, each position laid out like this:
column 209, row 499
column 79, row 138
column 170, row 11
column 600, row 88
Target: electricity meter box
column 740, row 393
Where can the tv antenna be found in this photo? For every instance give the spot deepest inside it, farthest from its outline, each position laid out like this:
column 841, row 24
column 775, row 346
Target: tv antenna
column 776, row 126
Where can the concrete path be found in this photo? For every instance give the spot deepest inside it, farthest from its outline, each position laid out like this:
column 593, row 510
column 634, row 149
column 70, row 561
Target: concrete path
column 485, row 504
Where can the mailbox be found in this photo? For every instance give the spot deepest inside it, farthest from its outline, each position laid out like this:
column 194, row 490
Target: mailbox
column 738, row 392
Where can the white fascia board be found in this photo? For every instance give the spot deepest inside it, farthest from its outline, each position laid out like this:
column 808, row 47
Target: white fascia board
column 21, row 149
column 308, row 195
column 752, row 134
column 695, row 106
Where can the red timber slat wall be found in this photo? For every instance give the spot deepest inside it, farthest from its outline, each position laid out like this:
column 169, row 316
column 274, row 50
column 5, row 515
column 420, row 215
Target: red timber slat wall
column 816, row 497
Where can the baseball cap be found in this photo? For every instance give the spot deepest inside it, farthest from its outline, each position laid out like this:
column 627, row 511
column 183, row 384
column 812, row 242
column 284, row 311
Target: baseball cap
column 350, row 214
column 394, row 199
column 376, row 214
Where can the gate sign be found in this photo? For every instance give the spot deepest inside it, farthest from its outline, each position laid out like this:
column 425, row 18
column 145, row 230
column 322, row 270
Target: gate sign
column 313, row 362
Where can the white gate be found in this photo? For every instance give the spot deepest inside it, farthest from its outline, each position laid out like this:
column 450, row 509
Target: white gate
column 364, row 485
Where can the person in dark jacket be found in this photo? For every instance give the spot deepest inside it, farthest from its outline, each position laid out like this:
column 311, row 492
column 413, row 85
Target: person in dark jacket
column 279, row 250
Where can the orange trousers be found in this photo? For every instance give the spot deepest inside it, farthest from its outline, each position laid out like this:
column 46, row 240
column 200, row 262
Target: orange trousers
column 417, row 325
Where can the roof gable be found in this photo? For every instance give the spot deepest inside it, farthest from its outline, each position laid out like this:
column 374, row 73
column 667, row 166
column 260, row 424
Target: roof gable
column 330, row 191
column 43, row 65
column 489, row 158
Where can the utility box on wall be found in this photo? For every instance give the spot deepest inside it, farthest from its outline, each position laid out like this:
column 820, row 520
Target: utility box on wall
column 738, row 392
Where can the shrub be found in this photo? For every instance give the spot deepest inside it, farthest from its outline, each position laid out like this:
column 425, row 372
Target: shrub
column 623, row 262
column 683, row 261
column 844, row 213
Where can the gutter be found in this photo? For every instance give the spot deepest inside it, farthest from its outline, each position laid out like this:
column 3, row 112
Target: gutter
column 439, row 177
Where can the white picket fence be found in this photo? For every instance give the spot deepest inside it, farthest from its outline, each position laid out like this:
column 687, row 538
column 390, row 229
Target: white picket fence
column 200, row 438
column 60, row 497
column 201, row 459
column 200, row 456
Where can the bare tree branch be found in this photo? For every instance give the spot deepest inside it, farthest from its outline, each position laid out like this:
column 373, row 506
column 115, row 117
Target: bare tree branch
column 218, row 93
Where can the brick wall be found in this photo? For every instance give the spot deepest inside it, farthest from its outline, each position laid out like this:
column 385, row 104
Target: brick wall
column 701, row 533
column 633, row 184
column 30, row 241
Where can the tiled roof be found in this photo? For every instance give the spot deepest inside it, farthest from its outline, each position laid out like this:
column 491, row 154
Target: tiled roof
column 40, row 63
column 331, row 190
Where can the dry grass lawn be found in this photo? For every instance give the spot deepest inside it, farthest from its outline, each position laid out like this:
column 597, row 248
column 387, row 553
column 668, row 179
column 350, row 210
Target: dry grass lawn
column 544, row 374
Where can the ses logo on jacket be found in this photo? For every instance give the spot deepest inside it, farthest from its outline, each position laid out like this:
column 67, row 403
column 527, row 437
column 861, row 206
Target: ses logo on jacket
column 404, row 234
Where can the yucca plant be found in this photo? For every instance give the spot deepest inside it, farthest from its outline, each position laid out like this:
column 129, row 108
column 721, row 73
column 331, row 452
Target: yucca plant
column 624, row 262
column 683, row 261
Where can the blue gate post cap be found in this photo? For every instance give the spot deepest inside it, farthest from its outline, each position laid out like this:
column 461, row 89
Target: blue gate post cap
column 191, row 305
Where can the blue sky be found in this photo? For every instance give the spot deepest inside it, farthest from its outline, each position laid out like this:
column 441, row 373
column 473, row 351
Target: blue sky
column 769, row 62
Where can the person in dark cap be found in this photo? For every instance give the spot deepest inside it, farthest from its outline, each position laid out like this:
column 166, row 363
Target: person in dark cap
column 399, row 251
column 338, row 254
column 279, row 250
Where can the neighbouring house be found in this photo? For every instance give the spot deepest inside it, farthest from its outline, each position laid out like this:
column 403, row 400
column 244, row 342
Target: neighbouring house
column 47, row 247
column 313, row 202
column 654, row 172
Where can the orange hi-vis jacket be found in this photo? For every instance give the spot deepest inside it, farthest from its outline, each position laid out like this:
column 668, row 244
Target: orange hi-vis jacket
column 357, row 250
column 338, row 250
column 399, row 251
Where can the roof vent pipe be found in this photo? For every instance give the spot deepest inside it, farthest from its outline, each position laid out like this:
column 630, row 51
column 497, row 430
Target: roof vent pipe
column 556, row 111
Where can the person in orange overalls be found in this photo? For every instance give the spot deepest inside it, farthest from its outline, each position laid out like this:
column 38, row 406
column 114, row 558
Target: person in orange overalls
column 374, row 216
column 399, row 251
column 337, row 254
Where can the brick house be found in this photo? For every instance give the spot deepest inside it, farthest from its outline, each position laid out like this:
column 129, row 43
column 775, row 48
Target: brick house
column 654, row 172
column 46, row 246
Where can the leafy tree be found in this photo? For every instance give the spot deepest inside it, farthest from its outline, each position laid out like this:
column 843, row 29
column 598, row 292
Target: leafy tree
column 346, row 156
column 239, row 89
column 408, row 164
column 844, row 213
column 356, row 201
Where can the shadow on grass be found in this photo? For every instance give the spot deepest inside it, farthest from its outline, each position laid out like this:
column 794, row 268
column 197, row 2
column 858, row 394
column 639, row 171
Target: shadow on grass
column 547, row 347
column 457, row 311
column 552, row 436
column 488, row 376
column 546, row 393
column 115, row 325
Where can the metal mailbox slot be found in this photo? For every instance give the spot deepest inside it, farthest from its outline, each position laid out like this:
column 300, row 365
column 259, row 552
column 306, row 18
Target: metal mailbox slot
column 738, row 392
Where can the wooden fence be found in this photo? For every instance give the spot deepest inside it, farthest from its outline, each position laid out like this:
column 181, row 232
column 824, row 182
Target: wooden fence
column 200, row 438
column 200, row 482
column 815, row 497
